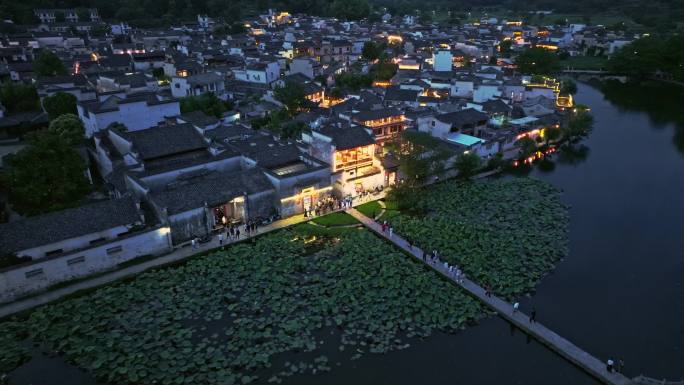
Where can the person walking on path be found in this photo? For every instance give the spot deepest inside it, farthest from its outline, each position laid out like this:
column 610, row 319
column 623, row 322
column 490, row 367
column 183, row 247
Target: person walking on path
column 193, row 243
column 221, row 239
column 515, row 307
column 237, row 233
column 609, row 365
column 424, row 256
column 390, row 232
column 620, row 365
column 488, row 290
column 533, row 315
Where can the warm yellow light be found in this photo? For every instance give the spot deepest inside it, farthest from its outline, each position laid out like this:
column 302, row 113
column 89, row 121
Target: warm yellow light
column 394, row 39
column 306, row 191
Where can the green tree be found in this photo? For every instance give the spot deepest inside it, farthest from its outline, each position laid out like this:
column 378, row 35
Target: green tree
column 48, row 64
column 291, row 95
column 374, row 18
column 537, row 61
column 352, row 81
column 19, row 97
column 495, row 161
column 406, row 194
column 505, row 48
column 371, row 50
column 59, row 104
column 83, row 14
column 552, row 134
column 384, row 71
column 568, row 87
column 526, row 147
column 47, row 175
column 68, row 127
column 208, row 103
column 468, row 164
column 579, row 124
column 420, row 156
column 645, row 57
column 336, row 93
column 349, row 9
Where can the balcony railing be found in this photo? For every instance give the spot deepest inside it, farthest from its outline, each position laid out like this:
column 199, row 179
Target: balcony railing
column 353, row 163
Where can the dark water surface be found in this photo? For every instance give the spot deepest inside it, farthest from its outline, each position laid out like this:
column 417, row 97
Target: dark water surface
column 620, row 293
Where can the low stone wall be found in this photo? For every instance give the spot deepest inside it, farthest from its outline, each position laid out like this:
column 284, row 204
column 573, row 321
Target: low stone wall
column 21, row 280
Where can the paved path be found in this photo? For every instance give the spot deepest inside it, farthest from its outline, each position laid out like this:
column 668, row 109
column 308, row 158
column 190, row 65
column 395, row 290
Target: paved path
column 560, row 345
column 178, row 254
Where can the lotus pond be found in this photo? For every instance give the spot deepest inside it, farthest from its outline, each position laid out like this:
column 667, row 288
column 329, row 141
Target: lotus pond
column 506, row 233
column 231, row 316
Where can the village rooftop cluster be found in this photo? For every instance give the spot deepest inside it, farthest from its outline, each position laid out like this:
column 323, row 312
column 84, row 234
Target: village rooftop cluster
column 171, row 176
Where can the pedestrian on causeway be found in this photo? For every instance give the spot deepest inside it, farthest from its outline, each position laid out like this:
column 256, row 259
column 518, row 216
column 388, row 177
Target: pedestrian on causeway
column 533, row 315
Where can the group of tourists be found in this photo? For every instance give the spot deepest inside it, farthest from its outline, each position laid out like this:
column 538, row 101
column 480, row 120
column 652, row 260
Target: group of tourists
column 327, row 206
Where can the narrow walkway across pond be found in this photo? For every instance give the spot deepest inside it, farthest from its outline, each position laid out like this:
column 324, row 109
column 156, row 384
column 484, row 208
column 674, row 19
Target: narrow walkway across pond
column 592, row 365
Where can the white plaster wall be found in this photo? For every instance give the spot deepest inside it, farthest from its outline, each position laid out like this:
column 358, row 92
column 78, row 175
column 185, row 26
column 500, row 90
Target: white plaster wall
column 14, row 283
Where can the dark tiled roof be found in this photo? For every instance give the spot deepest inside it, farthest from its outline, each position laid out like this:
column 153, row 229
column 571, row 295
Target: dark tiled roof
column 199, row 119
column 400, row 95
column 66, row 224
column 463, row 117
column 229, row 132
column 266, row 151
column 163, row 141
column 348, row 137
column 115, row 61
column 376, row 114
column 212, row 189
column 496, row 106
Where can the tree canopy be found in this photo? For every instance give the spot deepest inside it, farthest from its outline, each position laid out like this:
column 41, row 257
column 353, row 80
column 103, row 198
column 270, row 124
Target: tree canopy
column 372, row 50
column 59, row 104
column 68, row 127
column 537, row 61
column 18, row 97
column 468, row 164
column 48, row 64
column 646, row 56
column 291, row 95
column 47, row 175
column 208, row 103
column 420, row 156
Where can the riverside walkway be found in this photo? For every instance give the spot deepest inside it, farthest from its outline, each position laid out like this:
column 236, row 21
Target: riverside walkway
column 179, row 254
column 565, row 348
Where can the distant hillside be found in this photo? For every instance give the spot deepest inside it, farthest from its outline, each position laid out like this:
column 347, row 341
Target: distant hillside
column 656, row 14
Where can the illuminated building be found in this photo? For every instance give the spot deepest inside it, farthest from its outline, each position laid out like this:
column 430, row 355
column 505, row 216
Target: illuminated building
column 386, row 124
column 350, row 150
